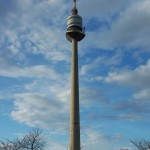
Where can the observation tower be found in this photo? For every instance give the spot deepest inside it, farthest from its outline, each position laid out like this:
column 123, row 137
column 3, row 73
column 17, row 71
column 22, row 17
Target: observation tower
column 74, row 34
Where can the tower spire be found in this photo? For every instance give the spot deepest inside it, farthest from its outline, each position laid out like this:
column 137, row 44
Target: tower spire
column 74, row 3
column 74, row 10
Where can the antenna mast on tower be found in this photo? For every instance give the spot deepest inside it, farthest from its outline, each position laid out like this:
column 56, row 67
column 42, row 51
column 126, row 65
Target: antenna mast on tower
column 74, row 3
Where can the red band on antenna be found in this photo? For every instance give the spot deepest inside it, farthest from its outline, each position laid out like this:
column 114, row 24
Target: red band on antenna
column 75, row 3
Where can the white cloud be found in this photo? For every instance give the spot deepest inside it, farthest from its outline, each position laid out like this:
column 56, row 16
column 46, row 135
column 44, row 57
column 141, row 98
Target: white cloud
column 25, row 102
column 38, row 31
column 42, row 109
column 38, row 110
column 137, row 78
column 49, row 42
column 129, row 30
column 89, row 95
column 132, row 29
column 39, row 71
column 126, row 148
column 143, row 94
column 134, row 106
column 101, row 8
column 101, row 61
column 93, row 139
column 46, row 34
column 58, row 146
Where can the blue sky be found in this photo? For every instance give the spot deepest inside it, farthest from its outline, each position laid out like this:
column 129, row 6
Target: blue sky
column 114, row 71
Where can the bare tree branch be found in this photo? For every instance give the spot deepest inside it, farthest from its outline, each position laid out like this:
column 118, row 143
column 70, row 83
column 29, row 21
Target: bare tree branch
column 34, row 140
column 141, row 145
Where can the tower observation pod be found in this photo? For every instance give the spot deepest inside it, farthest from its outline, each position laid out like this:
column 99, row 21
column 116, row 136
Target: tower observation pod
column 74, row 34
column 74, row 26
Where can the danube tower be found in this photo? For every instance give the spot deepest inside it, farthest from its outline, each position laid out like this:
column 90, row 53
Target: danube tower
column 74, row 34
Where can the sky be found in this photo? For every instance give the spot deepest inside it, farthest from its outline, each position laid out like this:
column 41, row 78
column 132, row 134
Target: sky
column 114, row 71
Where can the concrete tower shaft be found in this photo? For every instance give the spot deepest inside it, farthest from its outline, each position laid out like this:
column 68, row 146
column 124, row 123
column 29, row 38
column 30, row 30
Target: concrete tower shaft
column 74, row 104
column 74, row 34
